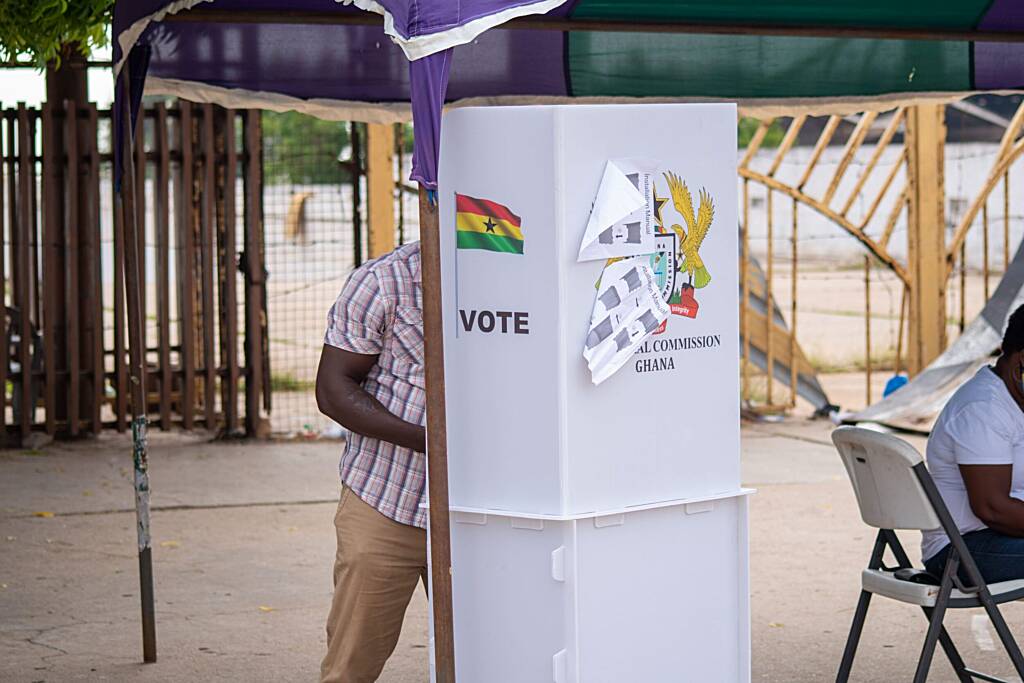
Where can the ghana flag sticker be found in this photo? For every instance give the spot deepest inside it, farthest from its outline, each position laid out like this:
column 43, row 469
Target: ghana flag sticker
column 487, row 225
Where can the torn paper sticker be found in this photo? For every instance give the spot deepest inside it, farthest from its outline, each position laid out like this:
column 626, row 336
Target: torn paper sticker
column 628, row 309
column 621, row 222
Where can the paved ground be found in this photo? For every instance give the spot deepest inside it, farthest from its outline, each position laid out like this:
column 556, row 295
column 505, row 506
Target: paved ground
column 243, row 547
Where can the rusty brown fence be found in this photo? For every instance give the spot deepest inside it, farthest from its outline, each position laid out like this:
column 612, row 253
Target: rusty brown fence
column 63, row 306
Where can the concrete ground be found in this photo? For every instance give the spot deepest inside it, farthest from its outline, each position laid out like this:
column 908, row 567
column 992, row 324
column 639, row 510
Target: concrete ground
column 243, row 545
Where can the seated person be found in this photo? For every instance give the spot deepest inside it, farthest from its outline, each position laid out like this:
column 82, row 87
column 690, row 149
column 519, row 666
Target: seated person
column 976, row 457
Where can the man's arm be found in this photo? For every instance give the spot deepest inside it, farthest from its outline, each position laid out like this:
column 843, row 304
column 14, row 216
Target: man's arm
column 988, row 489
column 341, row 397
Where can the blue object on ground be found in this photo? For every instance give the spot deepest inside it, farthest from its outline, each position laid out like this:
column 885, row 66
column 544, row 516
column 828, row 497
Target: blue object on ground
column 894, row 383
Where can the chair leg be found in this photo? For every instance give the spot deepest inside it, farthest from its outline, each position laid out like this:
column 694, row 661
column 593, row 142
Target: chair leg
column 1009, row 642
column 928, row 651
column 952, row 654
column 853, row 639
column 938, row 612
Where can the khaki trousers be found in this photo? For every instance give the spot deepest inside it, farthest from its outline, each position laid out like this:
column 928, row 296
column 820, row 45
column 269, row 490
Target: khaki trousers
column 376, row 569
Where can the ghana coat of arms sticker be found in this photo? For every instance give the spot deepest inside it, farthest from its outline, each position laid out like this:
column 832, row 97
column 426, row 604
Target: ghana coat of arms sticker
column 677, row 264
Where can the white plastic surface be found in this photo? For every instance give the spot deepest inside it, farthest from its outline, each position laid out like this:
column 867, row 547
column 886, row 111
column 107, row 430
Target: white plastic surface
column 880, row 467
column 885, row 583
column 656, row 596
column 527, row 430
column 530, row 518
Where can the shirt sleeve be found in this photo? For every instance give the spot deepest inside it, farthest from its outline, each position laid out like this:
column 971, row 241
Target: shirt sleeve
column 356, row 321
column 982, row 435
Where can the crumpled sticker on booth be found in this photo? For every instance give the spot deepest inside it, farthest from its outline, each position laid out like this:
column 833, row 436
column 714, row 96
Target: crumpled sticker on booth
column 628, row 309
column 621, row 222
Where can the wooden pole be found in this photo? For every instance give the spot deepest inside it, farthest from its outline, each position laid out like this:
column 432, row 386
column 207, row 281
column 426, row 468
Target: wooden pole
column 355, row 140
column 227, row 173
column 926, row 228
column 769, row 303
column 255, row 283
column 380, row 188
column 963, row 287
column 5, row 150
column 867, row 329
column 161, row 201
column 899, row 331
column 400, row 179
column 794, row 377
column 437, row 444
column 96, row 268
column 207, row 212
column 137, row 377
column 186, row 214
column 53, row 267
column 1006, row 221
column 984, row 247
column 23, row 291
column 120, row 349
column 73, row 232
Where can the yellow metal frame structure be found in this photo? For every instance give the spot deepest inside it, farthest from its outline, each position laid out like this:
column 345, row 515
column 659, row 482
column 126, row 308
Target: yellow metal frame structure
column 930, row 263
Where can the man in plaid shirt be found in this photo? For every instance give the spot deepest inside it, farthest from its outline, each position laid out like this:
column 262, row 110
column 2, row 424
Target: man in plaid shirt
column 370, row 381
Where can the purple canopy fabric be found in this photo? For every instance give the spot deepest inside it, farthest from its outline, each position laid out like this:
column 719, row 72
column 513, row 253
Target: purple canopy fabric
column 343, row 63
column 428, row 52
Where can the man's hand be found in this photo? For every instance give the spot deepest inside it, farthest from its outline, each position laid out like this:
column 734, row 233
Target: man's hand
column 341, row 397
column 988, row 489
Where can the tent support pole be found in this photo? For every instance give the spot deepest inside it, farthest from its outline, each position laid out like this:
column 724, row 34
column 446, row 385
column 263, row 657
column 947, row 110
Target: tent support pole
column 437, row 444
column 137, row 378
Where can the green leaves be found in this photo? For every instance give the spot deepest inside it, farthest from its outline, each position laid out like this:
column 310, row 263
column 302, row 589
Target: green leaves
column 748, row 126
column 38, row 30
column 301, row 149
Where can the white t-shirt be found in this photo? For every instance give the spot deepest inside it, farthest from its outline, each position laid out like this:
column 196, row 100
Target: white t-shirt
column 981, row 425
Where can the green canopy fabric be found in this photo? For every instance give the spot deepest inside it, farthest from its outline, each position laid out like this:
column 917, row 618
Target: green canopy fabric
column 947, row 14
column 607, row 64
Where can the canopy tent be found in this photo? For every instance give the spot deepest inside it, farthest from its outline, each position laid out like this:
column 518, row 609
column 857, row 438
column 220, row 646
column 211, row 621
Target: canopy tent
column 338, row 61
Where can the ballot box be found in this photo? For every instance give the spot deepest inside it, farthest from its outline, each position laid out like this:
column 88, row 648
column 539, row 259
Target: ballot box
column 529, row 431
column 653, row 595
column 590, row 298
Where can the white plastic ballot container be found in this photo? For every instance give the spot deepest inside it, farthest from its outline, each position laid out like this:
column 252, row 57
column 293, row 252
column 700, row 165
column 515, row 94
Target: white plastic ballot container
column 528, row 430
column 598, row 528
column 656, row 595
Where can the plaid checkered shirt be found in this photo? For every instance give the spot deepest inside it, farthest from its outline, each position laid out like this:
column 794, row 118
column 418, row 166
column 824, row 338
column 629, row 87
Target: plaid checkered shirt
column 380, row 312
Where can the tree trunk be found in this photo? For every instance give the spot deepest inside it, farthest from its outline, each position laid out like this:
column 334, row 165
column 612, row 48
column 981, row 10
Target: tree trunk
column 69, row 82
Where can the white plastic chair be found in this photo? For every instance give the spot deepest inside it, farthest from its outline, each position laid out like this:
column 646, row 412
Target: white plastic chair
column 895, row 491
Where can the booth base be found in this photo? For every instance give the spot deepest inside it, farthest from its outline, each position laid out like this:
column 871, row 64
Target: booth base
column 656, row 594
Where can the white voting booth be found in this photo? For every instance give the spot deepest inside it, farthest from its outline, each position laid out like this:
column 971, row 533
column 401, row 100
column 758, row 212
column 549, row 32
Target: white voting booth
column 599, row 531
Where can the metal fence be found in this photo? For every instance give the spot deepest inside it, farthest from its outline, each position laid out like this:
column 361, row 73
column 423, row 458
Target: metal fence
column 63, row 304
column 316, row 234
